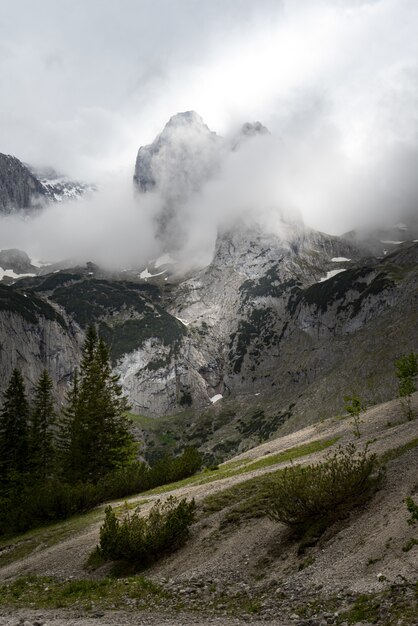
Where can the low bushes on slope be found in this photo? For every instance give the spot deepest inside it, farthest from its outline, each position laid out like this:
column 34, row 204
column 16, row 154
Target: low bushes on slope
column 310, row 498
column 141, row 540
column 57, row 500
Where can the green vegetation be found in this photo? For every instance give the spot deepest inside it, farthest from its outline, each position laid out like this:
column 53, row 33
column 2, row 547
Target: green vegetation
column 43, row 420
column 49, row 473
column 413, row 509
column 48, row 592
column 406, row 368
column 310, row 498
column 95, row 435
column 139, row 540
column 29, row 306
column 354, row 406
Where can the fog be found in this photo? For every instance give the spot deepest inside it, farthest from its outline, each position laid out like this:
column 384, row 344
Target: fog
column 85, row 84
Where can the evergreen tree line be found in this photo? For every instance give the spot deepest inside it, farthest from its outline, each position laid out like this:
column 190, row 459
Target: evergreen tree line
column 52, row 466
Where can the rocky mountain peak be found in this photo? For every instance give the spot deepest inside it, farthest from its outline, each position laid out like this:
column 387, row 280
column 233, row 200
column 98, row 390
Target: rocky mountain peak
column 19, row 188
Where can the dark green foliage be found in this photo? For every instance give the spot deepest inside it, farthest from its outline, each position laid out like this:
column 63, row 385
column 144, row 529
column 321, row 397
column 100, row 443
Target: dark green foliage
column 413, row 509
column 143, row 540
column 29, row 306
column 310, row 498
column 99, row 438
column 406, row 368
column 131, row 334
column 42, row 450
column 186, row 398
column 324, row 295
column 14, row 422
column 263, row 425
column 55, row 499
column 268, row 285
column 94, row 301
column 256, row 332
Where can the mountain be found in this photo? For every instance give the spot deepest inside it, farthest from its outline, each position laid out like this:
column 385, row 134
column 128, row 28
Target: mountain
column 267, row 338
column 59, row 187
column 19, row 188
column 176, row 164
column 25, row 188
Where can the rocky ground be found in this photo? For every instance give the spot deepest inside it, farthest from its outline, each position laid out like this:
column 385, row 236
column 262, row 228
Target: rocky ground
column 361, row 571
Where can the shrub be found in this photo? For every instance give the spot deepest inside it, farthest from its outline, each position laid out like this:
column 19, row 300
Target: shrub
column 413, row 509
column 354, row 406
column 309, row 499
column 144, row 539
column 406, row 368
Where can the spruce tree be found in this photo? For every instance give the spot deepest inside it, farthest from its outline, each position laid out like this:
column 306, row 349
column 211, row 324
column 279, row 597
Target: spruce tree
column 14, row 423
column 99, row 438
column 41, row 436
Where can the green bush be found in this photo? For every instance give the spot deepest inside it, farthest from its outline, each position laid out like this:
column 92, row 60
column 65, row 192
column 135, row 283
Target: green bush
column 145, row 539
column 310, row 498
column 53, row 499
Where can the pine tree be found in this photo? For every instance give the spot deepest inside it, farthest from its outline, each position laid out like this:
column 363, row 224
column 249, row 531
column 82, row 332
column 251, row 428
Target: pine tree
column 99, row 438
column 41, row 436
column 14, row 423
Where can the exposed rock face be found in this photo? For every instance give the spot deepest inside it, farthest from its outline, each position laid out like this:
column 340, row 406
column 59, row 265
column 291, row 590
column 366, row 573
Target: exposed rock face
column 19, row 188
column 34, row 336
column 28, row 189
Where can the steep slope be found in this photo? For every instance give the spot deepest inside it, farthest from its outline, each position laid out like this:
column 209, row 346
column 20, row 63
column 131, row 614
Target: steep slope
column 35, row 336
column 19, row 188
column 238, row 561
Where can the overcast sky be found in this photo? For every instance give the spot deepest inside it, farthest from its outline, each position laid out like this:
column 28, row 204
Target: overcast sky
column 84, row 83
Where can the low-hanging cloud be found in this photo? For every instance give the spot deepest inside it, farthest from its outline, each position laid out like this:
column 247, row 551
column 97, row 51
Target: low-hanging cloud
column 334, row 81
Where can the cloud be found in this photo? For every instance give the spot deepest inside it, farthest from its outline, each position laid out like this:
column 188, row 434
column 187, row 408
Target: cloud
column 111, row 227
column 85, row 83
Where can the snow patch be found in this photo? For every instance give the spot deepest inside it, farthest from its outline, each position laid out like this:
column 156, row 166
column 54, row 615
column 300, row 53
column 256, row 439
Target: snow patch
column 339, row 259
column 214, row 399
column 146, row 274
column 12, row 274
column 394, row 243
column 182, row 321
column 330, row 275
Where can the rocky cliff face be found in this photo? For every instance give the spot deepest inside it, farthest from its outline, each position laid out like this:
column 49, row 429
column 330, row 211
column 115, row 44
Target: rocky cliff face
column 275, row 330
column 35, row 336
column 19, row 188
column 25, row 188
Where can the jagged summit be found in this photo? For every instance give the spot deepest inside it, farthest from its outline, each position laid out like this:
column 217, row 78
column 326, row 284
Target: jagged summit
column 185, row 118
column 19, row 188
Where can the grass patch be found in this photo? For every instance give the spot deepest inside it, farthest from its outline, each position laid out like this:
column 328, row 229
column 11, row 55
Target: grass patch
column 48, row 592
column 235, row 468
column 395, row 453
column 283, row 457
column 16, row 548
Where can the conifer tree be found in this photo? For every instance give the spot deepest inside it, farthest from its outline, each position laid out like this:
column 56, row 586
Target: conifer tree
column 41, row 436
column 14, row 423
column 99, row 439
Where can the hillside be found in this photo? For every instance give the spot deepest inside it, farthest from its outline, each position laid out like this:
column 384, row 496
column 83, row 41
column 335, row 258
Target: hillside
column 237, row 564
